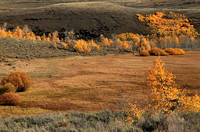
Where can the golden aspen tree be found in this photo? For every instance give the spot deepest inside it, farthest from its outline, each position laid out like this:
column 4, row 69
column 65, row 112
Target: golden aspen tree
column 63, row 44
column 32, row 36
column 20, row 33
column 43, row 37
column 48, row 39
column 3, row 33
column 39, row 38
column 9, row 34
column 166, row 97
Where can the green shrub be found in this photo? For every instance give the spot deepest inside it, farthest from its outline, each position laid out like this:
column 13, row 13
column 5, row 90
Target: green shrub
column 10, row 99
column 20, row 80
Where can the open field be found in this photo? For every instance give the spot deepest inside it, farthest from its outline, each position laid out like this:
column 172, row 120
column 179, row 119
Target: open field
column 93, row 83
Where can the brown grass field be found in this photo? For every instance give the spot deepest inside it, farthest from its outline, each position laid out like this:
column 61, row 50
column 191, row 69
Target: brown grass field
column 94, row 83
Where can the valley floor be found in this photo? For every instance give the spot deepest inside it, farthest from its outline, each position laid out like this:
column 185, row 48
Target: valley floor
column 93, row 83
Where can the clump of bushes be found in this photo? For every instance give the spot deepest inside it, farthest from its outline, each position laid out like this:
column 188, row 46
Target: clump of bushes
column 10, row 99
column 175, row 51
column 7, row 88
column 15, row 82
column 144, row 53
column 21, row 80
column 158, row 52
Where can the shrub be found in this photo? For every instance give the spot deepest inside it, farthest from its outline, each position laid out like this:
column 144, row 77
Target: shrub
column 10, row 99
column 158, row 52
column 166, row 96
column 175, row 51
column 144, row 53
column 8, row 87
column 180, row 51
column 20, row 80
column 171, row 51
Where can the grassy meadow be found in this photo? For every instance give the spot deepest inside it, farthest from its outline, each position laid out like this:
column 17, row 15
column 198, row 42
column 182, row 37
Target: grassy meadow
column 105, row 66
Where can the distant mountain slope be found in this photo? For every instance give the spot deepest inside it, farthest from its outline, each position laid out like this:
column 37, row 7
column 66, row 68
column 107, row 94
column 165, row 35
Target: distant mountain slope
column 90, row 19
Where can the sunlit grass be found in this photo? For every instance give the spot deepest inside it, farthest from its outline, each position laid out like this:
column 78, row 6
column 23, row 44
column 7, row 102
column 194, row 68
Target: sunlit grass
column 17, row 110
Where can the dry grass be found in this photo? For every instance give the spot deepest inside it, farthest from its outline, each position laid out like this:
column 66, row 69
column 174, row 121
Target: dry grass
column 17, row 110
column 94, row 83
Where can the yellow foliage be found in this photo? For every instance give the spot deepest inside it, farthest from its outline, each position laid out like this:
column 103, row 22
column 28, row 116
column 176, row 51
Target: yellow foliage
column 175, row 51
column 165, row 95
column 64, row 45
column 39, row 38
column 133, row 113
column 173, row 25
column 145, row 43
column 133, row 40
column 48, row 39
column 3, row 33
column 82, row 46
column 158, row 52
column 144, row 53
column 26, row 33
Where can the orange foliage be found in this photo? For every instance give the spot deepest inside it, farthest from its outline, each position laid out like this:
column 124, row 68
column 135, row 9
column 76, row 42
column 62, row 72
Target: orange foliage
column 105, row 42
column 26, row 33
column 144, row 53
column 136, row 42
column 158, row 52
column 133, row 113
column 169, row 30
column 64, row 45
column 10, row 99
column 175, row 51
column 166, row 97
column 170, row 25
column 6, row 88
column 20, row 80
column 82, row 46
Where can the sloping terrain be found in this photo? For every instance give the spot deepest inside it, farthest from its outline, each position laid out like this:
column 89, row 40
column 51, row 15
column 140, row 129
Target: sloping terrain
column 91, row 18
column 28, row 49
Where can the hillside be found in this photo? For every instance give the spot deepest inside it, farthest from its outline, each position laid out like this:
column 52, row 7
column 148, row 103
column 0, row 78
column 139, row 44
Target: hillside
column 91, row 18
